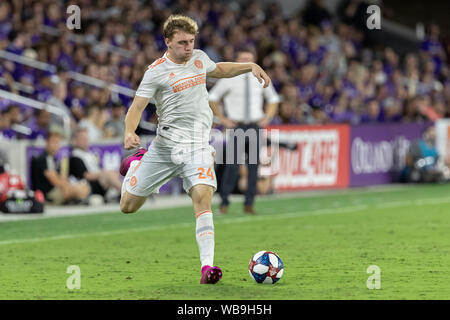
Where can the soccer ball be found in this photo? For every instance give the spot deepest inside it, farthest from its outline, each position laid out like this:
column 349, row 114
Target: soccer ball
column 266, row 267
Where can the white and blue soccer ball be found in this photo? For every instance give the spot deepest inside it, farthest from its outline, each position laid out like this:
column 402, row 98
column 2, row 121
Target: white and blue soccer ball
column 266, row 267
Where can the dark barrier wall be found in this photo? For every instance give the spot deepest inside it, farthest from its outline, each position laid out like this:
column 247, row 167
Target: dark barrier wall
column 368, row 155
column 311, row 157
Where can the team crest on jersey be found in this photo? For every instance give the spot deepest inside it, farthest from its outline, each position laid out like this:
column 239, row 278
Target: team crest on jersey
column 133, row 181
column 171, row 75
column 198, row 64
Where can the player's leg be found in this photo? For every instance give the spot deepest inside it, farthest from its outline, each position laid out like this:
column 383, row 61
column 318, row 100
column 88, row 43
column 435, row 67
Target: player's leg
column 126, row 163
column 144, row 177
column 130, row 203
column 199, row 181
column 201, row 195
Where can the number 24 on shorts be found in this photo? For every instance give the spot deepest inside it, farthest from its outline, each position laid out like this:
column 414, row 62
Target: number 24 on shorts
column 209, row 173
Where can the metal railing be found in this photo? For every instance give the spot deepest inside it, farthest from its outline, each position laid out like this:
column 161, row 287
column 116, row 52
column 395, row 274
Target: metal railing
column 39, row 105
column 73, row 75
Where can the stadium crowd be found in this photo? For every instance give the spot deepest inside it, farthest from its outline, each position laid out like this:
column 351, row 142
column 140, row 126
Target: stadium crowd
column 319, row 63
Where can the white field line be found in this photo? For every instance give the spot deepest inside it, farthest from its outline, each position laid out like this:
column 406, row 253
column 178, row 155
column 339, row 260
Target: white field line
column 218, row 220
column 183, row 200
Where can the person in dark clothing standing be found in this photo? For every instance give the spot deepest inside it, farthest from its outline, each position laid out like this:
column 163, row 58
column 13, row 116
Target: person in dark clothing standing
column 243, row 99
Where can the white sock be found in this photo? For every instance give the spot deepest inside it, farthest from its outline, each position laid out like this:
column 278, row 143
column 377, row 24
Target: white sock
column 204, row 231
column 129, row 174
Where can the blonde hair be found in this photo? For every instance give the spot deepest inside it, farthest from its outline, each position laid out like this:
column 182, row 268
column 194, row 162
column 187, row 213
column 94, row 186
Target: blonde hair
column 179, row 22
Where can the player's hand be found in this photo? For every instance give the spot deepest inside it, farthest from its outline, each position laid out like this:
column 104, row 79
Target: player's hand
column 131, row 141
column 228, row 123
column 261, row 75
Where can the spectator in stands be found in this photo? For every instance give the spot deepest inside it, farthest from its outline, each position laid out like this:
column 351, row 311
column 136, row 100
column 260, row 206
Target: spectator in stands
column 316, row 115
column 77, row 101
column 9, row 81
column 51, row 176
column 39, row 124
column 286, row 113
column 59, row 95
column 94, row 122
column 342, row 113
column 5, row 125
column 14, row 113
column 316, row 52
column 411, row 110
column 85, row 165
column 306, row 83
column 290, row 93
column 390, row 61
column 392, row 110
column 432, row 48
column 8, row 117
column 44, row 87
column 278, row 73
column 373, row 113
column 115, row 126
column 17, row 42
column 284, row 44
column 6, row 23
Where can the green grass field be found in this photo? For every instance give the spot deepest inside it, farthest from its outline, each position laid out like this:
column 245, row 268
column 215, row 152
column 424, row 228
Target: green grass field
column 326, row 242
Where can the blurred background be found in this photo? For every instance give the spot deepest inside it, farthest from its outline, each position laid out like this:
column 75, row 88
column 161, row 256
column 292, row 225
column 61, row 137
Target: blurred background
column 358, row 106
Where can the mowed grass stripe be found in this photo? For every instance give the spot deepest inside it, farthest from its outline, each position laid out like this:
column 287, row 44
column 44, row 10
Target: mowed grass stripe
column 232, row 220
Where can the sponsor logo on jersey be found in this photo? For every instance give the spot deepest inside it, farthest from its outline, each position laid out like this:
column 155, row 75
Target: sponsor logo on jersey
column 189, row 82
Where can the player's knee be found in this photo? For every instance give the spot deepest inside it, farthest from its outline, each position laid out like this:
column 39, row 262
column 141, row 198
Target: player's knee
column 131, row 203
column 203, row 200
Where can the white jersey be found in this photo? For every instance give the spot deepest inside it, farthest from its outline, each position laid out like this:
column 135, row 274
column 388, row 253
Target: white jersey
column 181, row 99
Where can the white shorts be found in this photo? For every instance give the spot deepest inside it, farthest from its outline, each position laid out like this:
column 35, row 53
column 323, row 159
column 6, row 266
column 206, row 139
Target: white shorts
column 161, row 163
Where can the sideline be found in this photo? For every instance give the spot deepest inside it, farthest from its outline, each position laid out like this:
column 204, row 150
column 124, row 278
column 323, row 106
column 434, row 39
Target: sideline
column 160, row 202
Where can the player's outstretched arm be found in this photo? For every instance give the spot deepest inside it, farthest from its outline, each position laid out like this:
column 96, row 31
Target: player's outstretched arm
column 232, row 69
column 131, row 139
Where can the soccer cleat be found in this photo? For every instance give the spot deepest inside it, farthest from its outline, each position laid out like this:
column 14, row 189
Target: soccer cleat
column 125, row 165
column 210, row 275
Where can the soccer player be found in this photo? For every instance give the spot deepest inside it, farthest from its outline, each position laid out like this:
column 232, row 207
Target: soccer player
column 177, row 84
